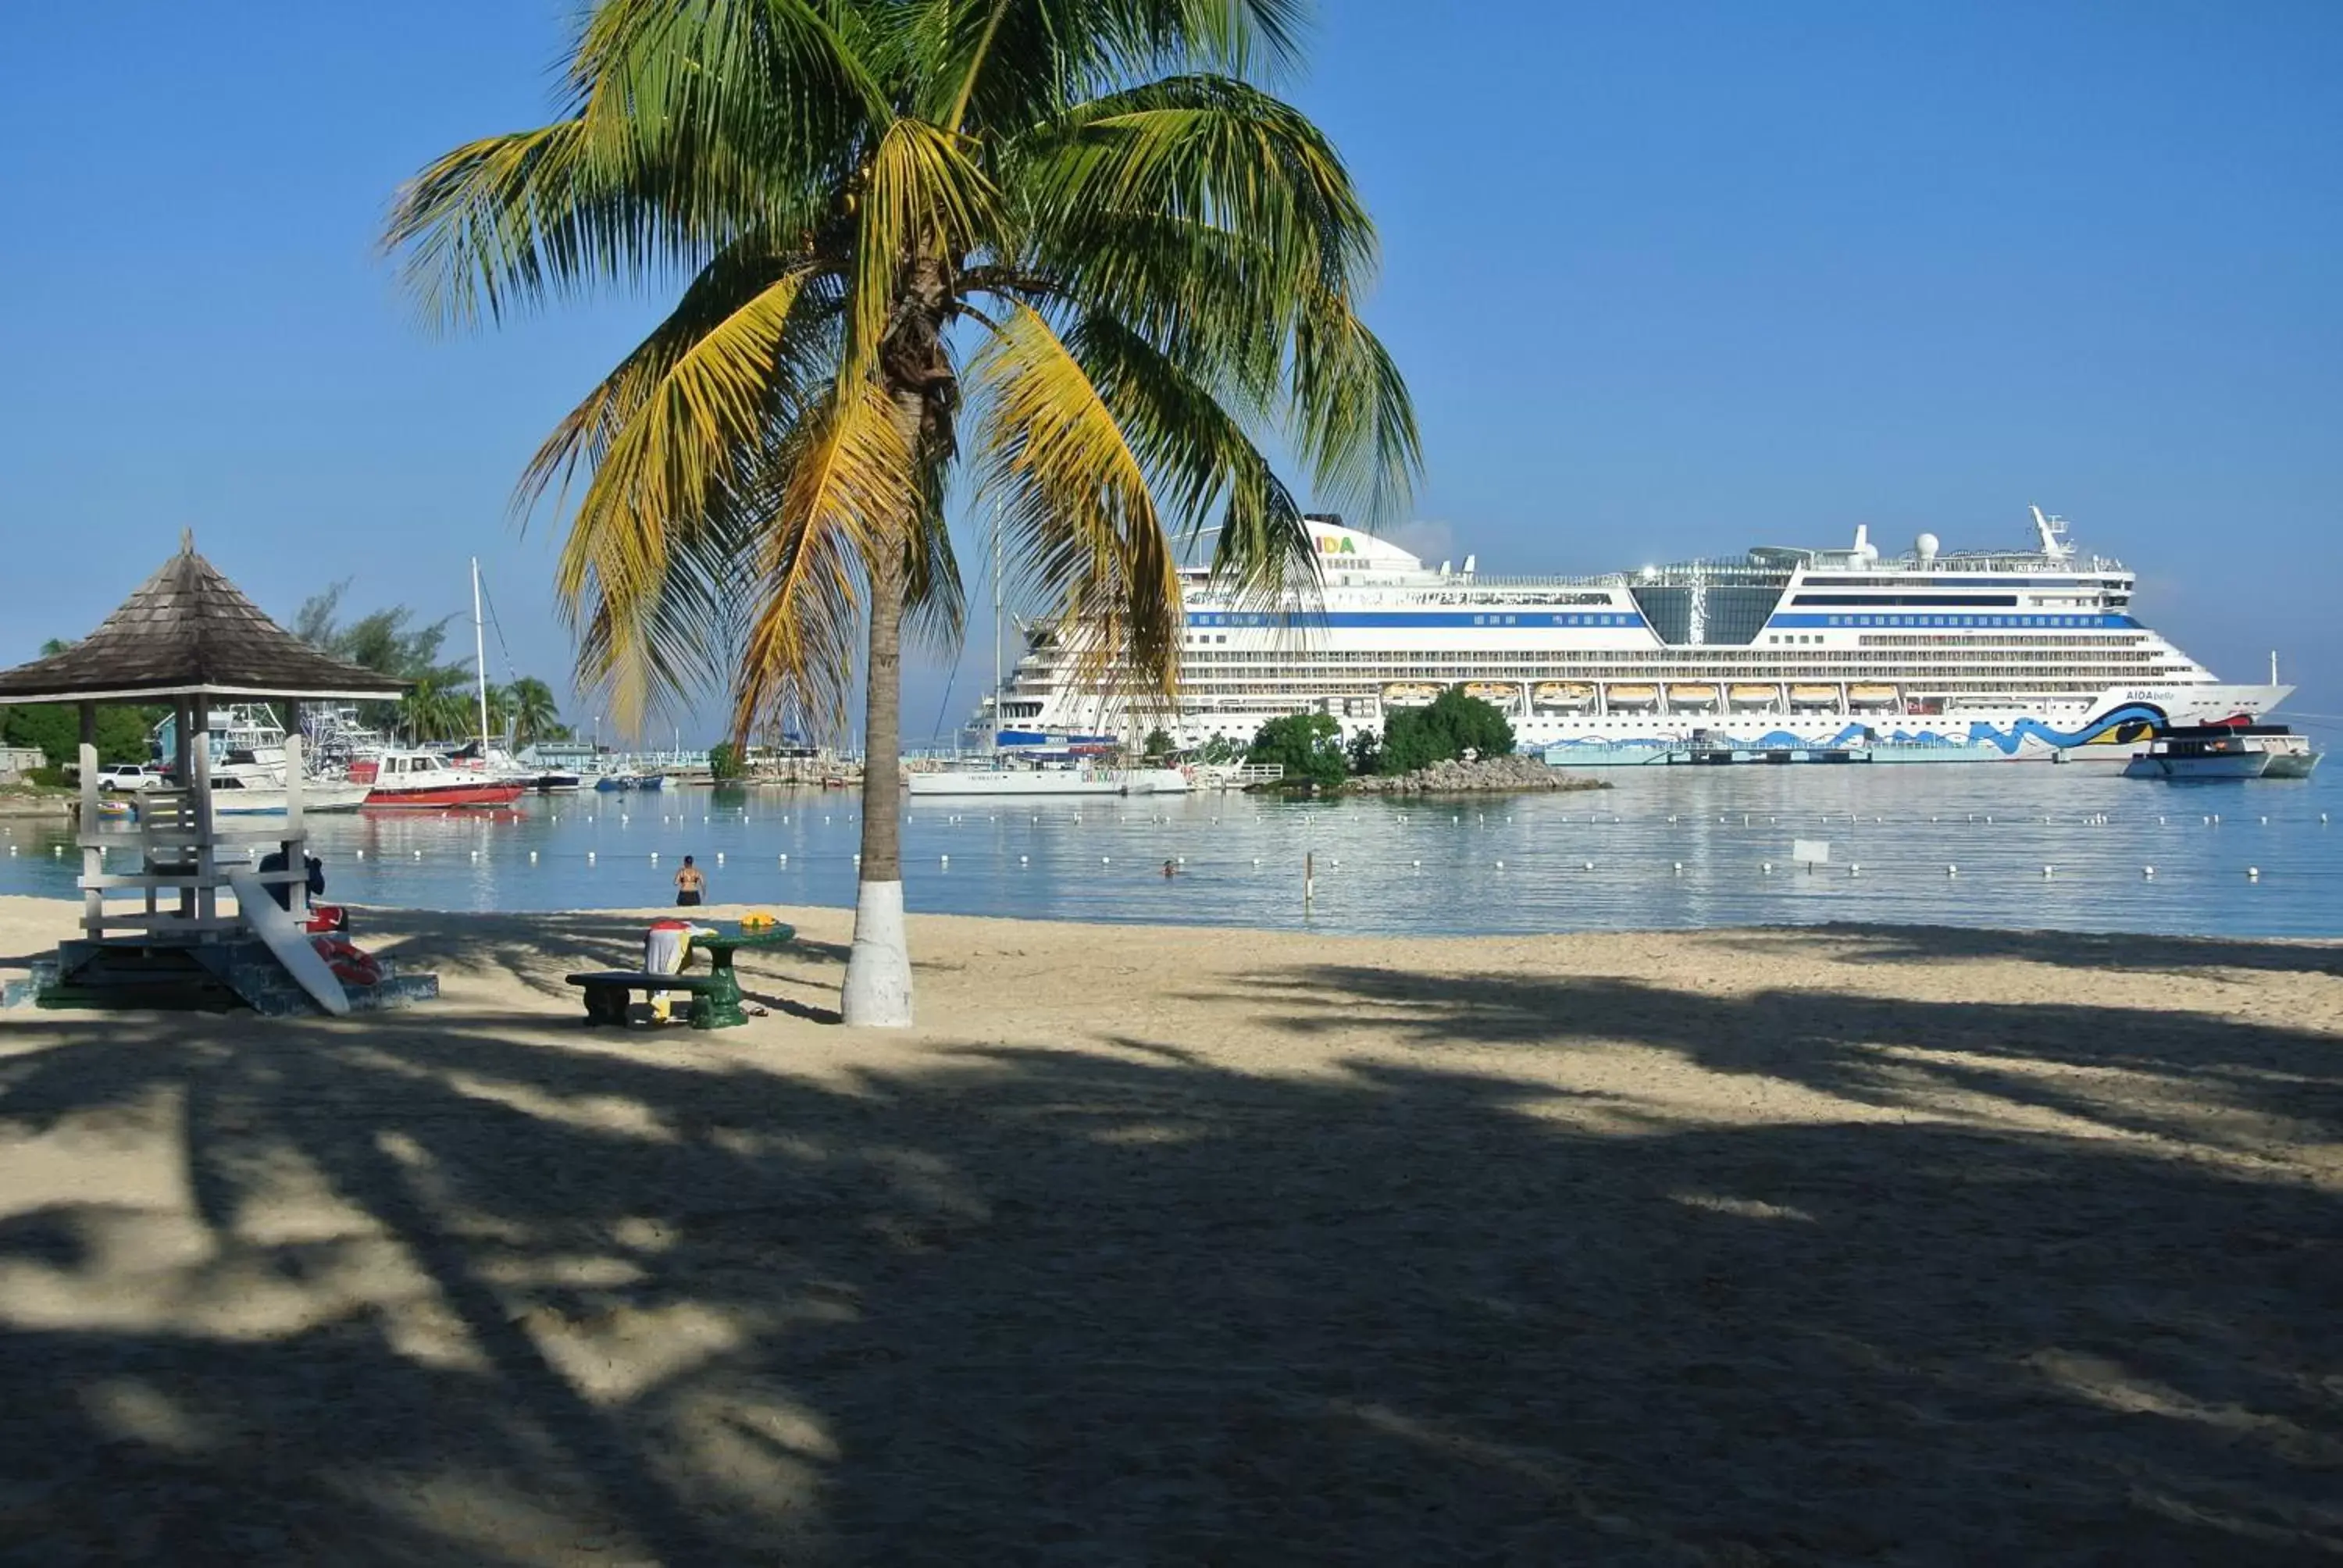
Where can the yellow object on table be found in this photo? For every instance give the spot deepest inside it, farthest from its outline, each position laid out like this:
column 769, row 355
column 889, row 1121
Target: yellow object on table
column 759, row 920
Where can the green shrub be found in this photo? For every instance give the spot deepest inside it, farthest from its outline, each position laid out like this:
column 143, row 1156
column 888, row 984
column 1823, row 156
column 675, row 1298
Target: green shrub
column 1453, row 725
column 1308, row 746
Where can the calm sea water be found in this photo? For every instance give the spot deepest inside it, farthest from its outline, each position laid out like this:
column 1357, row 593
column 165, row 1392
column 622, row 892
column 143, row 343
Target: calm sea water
column 1664, row 848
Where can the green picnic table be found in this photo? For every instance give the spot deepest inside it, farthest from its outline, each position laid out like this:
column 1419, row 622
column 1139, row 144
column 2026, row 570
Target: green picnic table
column 721, row 1006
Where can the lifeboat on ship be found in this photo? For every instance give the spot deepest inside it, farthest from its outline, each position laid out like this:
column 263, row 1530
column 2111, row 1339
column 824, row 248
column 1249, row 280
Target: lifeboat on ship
column 1409, row 694
column 1631, row 695
column 1814, row 696
column 1754, row 697
column 1870, row 696
column 1500, row 694
column 1692, row 694
column 1561, row 696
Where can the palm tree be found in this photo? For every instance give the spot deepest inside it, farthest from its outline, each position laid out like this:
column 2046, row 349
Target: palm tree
column 535, row 714
column 1075, row 252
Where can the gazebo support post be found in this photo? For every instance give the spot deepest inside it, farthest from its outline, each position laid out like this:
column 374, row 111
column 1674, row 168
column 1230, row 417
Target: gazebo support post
column 183, row 768
column 206, row 852
column 297, row 839
column 93, row 854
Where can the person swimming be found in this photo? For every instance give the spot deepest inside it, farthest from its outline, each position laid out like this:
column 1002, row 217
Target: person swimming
column 1171, row 870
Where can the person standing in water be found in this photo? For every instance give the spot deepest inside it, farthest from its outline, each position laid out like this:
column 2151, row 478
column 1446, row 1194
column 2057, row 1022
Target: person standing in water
column 690, row 885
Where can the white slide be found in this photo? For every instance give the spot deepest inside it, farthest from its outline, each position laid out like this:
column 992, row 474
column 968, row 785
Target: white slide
column 288, row 941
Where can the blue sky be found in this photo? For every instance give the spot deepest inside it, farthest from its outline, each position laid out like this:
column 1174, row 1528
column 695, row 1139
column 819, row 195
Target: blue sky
column 1666, row 279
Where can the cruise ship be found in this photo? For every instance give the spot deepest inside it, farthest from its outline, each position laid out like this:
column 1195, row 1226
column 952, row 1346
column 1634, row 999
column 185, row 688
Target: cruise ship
column 2026, row 651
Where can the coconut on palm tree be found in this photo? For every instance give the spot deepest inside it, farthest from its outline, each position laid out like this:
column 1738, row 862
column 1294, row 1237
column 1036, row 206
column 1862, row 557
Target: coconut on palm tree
column 1075, row 252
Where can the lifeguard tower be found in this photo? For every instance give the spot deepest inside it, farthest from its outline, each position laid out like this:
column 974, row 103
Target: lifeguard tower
column 189, row 640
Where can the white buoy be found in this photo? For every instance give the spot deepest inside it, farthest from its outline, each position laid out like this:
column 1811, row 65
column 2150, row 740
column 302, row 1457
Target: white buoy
column 785, row 857
column 475, row 854
column 1952, row 871
column 1105, row 861
column 1256, row 862
column 2253, row 873
column 720, row 857
column 12, row 850
column 2265, row 821
column 1334, row 861
column 2147, row 870
column 1414, row 865
column 2047, row 871
column 532, row 856
column 1679, row 868
column 654, row 857
column 1854, row 870
column 1183, row 859
column 1501, row 864
column 1766, row 866
column 590, row 856
column 1588, row 866
column 1022, row 860
column 418, row 854
column 944, row 860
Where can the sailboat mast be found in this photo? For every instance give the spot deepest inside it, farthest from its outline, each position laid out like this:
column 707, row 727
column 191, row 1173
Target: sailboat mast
column 480, row 654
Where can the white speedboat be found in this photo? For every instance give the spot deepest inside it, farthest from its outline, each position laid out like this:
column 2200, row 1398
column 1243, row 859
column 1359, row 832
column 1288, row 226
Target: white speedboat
column 244, row 797
column 1000, row 783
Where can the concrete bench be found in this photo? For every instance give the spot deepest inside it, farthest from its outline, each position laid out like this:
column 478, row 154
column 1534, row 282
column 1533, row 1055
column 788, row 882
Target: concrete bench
column 607, row 992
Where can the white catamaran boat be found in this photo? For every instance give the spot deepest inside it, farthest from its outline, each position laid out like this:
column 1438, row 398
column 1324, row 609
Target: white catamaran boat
column 2023, row 651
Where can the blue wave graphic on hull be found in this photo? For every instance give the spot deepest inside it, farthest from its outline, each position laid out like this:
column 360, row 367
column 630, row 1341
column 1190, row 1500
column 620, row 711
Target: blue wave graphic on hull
column 2131, row 713
column 2008, row 742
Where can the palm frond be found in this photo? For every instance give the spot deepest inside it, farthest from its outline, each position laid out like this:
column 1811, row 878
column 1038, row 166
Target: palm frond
column 838, row 490
column 924, row 197
column 1076, row 500
column 1202, row 464
column 771, row 316
column 674, row 439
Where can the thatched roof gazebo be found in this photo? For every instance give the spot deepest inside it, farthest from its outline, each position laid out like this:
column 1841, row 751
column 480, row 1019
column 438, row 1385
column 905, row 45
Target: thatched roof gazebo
column 189, row 640
column 187, row 633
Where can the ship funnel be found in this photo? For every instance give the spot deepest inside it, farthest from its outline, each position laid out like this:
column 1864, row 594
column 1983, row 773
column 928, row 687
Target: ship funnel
column 1468, row 566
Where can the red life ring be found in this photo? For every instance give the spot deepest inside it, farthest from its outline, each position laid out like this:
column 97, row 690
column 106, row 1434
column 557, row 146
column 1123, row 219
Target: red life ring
column 350, row 965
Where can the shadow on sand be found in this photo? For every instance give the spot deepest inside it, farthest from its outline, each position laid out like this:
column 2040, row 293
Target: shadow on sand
column 1024, row 1305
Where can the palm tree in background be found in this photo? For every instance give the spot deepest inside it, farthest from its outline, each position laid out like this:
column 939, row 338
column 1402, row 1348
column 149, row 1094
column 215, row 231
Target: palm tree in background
column 534, row 714
column 1073, row 251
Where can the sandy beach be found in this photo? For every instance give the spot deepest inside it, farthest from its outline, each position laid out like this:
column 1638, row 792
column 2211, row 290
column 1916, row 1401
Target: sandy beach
column 1872, row 1245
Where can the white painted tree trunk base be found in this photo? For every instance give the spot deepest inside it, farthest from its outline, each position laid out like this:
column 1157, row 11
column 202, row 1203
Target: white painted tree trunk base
column 878, row 992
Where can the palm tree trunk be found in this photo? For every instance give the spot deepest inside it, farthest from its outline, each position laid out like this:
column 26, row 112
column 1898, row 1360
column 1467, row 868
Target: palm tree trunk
column 878, row 989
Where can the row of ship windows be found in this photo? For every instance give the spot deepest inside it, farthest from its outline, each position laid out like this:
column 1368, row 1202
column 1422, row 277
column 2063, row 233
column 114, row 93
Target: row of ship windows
column 2002, row 647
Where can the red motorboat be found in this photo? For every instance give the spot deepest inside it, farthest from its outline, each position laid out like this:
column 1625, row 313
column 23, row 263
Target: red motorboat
column 419, row 781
